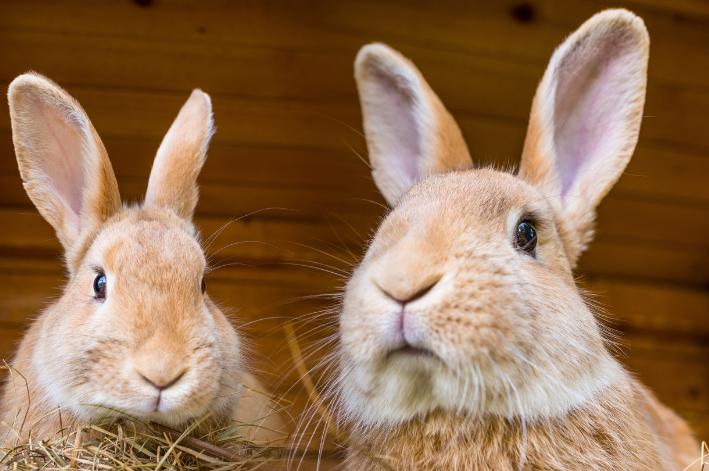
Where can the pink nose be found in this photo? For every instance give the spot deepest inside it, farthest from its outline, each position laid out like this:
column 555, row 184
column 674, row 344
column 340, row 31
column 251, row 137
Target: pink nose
column 160, row 382
column 404, row 299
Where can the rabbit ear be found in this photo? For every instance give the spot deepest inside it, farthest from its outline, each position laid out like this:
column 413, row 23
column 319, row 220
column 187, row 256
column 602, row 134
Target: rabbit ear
column 173, row 180
column 63, row 164
column 585, row 120
column 409, row 132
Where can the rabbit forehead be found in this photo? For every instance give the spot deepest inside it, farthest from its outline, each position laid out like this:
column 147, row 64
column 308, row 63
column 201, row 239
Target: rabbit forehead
column 148, row 256
column 448, row 206
column 148, row 247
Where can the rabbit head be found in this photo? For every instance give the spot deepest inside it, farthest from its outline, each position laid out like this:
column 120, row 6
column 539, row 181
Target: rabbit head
column 465, row 301
column 134, row 331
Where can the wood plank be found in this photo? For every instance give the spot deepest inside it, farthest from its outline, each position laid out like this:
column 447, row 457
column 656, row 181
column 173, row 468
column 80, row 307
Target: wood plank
column 481, row 28
column 237, row 165
column 645, row 260
column 489, row 27
column 683, row 384
column 666, row 174
column 631, row 215
column 676, row 370
column 653, row 307
column 682, row 9
column 249, row 22
column 81, row 60
column 490, row 141
column 22, row 297
column 10, row 335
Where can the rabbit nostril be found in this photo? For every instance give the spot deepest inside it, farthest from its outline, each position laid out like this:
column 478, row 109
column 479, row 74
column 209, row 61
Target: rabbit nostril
column 413, row 297
column 165, row 384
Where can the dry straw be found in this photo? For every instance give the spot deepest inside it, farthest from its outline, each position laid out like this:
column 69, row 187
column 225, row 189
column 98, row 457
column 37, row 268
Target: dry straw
column 123, row 444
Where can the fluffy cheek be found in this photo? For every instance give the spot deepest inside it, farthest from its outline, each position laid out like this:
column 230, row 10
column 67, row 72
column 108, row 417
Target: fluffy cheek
column 58, row 354
column 361, row 323
column 94, row 369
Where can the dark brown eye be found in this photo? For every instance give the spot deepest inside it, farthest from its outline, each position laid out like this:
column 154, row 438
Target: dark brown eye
column 203, row 286
column 526, row 237
column 100, row 286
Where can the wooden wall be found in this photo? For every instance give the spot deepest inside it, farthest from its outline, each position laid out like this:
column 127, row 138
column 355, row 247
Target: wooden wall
column 288, row 122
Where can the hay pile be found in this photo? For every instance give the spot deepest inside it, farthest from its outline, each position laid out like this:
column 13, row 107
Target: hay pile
column 122, row 444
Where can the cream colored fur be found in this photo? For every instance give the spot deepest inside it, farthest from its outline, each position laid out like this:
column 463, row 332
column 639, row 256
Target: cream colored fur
column 457, row 349
column 84, row 358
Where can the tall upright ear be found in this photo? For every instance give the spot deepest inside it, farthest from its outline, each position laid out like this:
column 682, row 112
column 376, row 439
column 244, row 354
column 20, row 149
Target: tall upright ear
column 173, row 180
column 63, row 163
column 585, row 120
column 410, row 134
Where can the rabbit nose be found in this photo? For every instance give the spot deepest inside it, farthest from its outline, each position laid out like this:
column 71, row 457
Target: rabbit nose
column 160, row 383
column 404, row 296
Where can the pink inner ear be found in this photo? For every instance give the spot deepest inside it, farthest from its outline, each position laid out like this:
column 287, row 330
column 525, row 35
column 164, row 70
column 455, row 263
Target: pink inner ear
column 400, row 140
column 594, row 88
column 63, row 159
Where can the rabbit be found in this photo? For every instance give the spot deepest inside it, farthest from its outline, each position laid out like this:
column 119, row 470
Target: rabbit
column 134, row 333
column 464, row 341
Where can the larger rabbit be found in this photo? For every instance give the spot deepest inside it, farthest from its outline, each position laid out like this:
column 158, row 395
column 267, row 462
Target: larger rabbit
column 134, row 332
column 465, row 342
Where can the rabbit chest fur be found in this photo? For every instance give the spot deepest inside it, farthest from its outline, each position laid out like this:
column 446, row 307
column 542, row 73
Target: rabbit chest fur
column 626, row 429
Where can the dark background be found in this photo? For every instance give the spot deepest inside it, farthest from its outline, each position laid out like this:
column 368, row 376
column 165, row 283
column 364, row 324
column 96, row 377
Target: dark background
column 287, row 116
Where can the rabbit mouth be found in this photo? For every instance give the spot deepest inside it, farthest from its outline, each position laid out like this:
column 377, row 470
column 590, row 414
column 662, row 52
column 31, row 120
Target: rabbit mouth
column 409, row 350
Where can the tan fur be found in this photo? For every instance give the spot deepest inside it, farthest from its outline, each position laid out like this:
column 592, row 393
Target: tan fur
column 460, row 350
column 173, row 181
column 84, row 358
column 611, row 434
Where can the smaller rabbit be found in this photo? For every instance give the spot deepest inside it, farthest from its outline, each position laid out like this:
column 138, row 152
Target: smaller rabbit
column 134, row 332
column 464, row 340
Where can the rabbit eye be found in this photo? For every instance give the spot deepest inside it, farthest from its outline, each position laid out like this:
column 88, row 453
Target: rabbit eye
column 526, row 237
column 100, row 286
column 203, row 286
